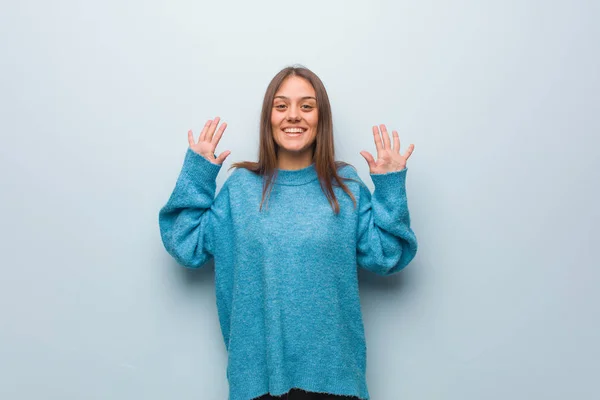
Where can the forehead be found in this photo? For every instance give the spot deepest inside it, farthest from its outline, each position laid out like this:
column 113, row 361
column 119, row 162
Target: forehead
column 295, row 86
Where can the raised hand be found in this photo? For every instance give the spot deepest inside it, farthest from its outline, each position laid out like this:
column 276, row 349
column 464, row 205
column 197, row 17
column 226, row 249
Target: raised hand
column 208, row 140
column 389, row 158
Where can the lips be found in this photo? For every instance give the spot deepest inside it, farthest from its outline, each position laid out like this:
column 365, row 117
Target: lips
column 294, row 129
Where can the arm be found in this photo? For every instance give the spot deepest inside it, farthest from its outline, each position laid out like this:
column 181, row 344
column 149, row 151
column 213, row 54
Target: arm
column 187, row 220
column 385, row 243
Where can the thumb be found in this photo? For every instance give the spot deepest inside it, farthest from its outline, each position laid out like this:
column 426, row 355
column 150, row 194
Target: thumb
column 369, row 158
column 222, row 157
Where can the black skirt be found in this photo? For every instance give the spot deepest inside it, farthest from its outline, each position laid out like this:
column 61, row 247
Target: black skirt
column 298, row 394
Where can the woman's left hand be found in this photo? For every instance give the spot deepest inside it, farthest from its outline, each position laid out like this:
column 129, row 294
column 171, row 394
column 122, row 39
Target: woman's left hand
column 389, row 158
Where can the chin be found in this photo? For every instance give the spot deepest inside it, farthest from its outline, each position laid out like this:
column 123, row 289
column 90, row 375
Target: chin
column 291, row 150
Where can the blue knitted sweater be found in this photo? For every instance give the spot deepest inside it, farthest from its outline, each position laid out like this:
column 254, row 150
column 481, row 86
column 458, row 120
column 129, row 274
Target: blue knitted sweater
column 286, row 277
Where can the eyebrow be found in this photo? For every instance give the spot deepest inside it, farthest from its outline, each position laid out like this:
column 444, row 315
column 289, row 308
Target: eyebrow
column 301, row 98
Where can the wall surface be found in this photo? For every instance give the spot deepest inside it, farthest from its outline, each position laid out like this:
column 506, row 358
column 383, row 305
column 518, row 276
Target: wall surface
column 500, row 98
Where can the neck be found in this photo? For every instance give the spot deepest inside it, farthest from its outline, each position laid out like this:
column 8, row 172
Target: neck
column 289, row 161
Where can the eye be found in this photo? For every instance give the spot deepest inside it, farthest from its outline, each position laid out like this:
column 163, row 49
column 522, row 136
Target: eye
column 307, row 107
column 280, row 106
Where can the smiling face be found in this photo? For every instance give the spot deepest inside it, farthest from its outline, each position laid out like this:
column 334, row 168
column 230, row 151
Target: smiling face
column 294, row 120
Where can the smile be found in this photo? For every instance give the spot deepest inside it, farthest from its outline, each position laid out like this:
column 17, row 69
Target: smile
column 294, row 132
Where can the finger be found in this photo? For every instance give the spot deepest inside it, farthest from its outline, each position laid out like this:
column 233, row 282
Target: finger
column 396, row 139
column 410, row 150
column 219, row 133
column 386, row 137
column 211, row 129
column 204, row 130
column 377, row 140
column 190, row 138
column 369, row 158
column 222, row 157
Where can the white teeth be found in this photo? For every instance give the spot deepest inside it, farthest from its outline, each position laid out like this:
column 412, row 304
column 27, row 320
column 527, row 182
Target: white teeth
column 294, row 130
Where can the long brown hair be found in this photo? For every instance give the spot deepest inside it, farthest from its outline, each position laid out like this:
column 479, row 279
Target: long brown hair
column 323, row 147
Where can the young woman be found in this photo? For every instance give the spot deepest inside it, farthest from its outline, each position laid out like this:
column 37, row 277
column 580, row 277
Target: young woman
column 286, row 234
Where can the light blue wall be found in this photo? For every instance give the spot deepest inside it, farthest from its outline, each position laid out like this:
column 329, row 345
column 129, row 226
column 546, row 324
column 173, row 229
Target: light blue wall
column 501, row 99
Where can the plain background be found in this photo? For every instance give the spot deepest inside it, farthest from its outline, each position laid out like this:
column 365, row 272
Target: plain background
column 500, row 98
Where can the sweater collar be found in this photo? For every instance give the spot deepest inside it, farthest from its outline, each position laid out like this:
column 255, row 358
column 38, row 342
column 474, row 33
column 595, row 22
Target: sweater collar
column 295, row 177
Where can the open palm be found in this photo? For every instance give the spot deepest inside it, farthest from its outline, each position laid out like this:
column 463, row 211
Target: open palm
column 208, row 141
column 389, row 158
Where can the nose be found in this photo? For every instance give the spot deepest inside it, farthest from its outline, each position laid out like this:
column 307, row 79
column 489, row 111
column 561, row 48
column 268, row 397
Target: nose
column 293, row 114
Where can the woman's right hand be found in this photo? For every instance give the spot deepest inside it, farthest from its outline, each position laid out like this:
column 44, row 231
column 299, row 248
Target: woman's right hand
column 208, row 140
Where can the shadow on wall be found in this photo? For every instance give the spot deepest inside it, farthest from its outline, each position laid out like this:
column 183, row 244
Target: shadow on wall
column 191, row 278
column 398, row 282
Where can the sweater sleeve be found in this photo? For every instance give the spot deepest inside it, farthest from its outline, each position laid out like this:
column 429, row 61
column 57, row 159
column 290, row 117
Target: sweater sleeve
column 187, row 220
column 386, row 243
